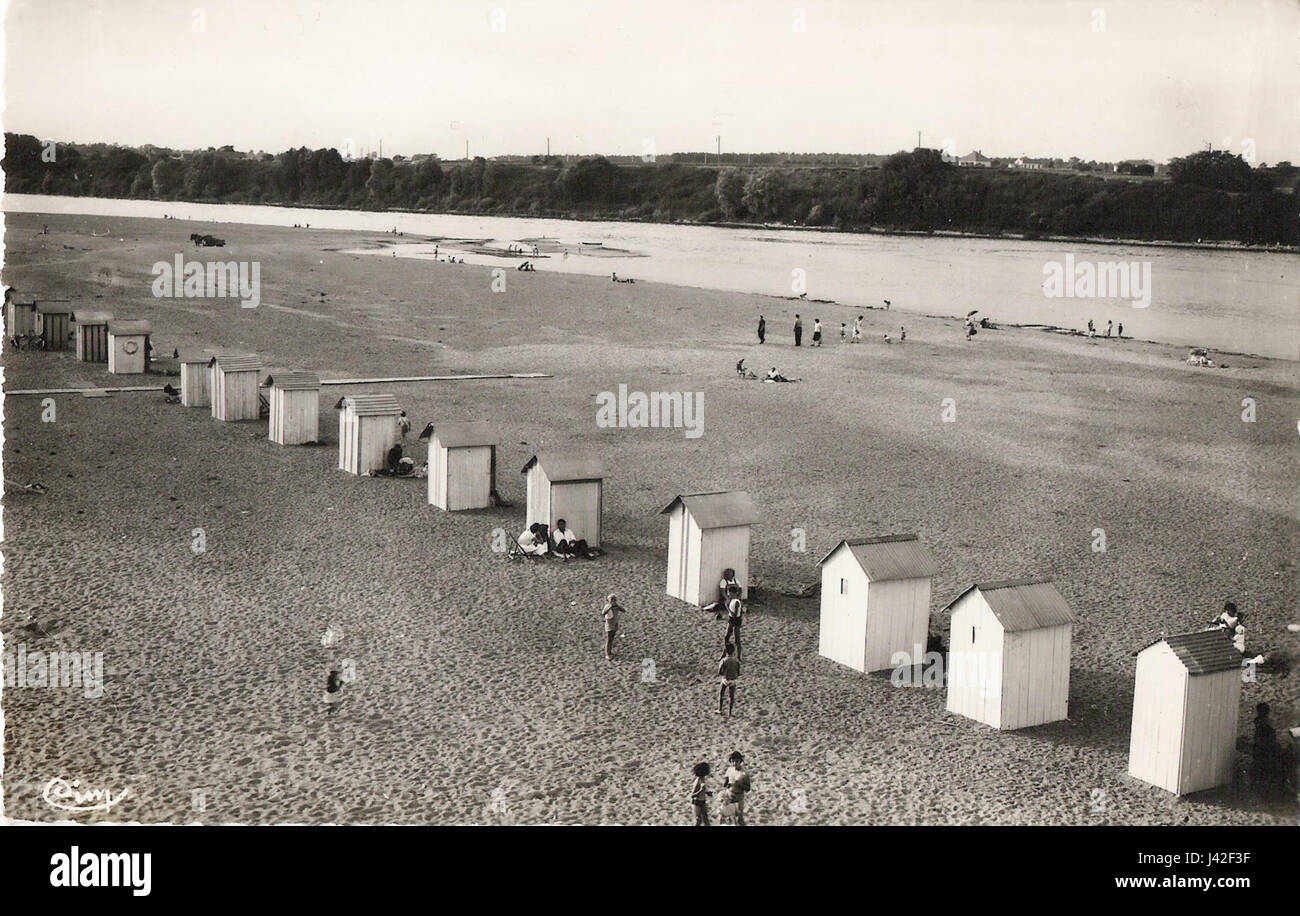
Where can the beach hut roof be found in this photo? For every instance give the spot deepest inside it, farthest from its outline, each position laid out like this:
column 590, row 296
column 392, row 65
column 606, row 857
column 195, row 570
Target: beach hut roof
column 1205, row 652
column 370, row 405
column 1022, row 604
column 193, row 355
column 294, row 381
column 54, row 306
column 88, row 316
column 236, row 362
column 463, row 435
column 724, row 509
column 128, row 327
column 567, row 466
column 894, row 556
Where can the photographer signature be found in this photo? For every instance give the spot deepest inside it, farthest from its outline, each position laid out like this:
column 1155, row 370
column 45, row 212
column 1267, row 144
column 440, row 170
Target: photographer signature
column 66, row 796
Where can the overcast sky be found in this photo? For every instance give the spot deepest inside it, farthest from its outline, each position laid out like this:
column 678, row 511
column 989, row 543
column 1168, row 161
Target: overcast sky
column 1101, row 79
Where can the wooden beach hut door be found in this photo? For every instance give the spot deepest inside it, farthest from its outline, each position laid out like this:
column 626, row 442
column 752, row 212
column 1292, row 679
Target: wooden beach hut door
column 578, row 502
column 346, row 446
column 539, row 495
column 92, row 343
column 1159, row 703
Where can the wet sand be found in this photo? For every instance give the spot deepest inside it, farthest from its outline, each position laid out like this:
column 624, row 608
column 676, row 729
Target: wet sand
column 481, row 694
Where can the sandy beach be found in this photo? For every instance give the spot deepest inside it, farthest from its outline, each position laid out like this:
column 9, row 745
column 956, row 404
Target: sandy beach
column 481, row 694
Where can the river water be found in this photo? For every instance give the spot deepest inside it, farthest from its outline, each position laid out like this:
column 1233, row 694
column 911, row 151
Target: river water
column 1238, row 301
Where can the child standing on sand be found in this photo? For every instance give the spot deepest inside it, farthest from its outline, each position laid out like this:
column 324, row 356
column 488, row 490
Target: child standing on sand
column 610, row 614
column 817, row 332
column 728, row 674
column 700, row 794
column 843, row 331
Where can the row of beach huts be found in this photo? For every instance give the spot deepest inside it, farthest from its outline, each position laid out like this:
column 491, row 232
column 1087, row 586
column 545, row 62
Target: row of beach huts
column 1008, row 663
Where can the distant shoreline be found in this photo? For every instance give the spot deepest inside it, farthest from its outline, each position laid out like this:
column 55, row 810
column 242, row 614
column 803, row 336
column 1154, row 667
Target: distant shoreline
column 763, row 227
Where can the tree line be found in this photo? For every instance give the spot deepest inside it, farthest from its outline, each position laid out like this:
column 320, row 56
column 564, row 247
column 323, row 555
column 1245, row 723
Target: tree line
column 1210, row 195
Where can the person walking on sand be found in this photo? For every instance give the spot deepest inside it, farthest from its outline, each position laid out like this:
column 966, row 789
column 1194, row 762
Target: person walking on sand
column 735, row 617
column 728, row 674
column 1121, row 330
column 798, row 330
column 403, row 424
column 1092, row 328
column 610, row 614
column 817, row 332
column 1109, row 325
column 700, row 794
column 857, row 329
column 762, row 329
column 902, row 333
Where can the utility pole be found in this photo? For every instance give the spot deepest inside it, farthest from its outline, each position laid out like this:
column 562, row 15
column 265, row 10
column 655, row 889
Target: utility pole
column 548, row 148
column 719, row 139
column 467, row 151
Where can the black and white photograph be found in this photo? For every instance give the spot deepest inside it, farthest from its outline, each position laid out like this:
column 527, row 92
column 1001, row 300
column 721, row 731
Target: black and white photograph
column 549, row 413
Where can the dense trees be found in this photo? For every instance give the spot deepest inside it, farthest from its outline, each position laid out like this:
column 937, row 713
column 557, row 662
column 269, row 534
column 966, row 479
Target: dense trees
column 1211, row 195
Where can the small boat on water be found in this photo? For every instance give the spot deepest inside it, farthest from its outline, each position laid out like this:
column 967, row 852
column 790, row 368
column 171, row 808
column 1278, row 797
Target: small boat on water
column 593, row 244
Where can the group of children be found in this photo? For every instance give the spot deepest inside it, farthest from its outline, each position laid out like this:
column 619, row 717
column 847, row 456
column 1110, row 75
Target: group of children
column 735, row 783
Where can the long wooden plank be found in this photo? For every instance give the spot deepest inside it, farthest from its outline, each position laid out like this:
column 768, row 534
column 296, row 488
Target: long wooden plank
column 333, row 381
column 429, row 378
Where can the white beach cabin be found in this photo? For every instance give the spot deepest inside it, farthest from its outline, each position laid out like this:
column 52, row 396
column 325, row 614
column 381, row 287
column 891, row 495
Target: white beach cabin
column 1186, row 696
column 367, row 430
column 233, row 388
column 462, row 465
column 128, row 346
column 707, row 533
column 294, row 401
column 91, row 329
column 1009, row 654
column 876, row 601
column 196, row 388
column 54, row 322
column 569, row 486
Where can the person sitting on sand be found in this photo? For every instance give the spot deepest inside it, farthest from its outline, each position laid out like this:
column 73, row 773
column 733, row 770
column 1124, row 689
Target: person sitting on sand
column 533, row 541
column 743, row 372
column 700, row 794
column 728, row 588
column 774, row 376
column 394, row 460
column 567, row 544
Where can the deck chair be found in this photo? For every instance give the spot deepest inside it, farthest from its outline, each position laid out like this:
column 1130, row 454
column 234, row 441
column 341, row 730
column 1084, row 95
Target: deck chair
column 515, row 552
